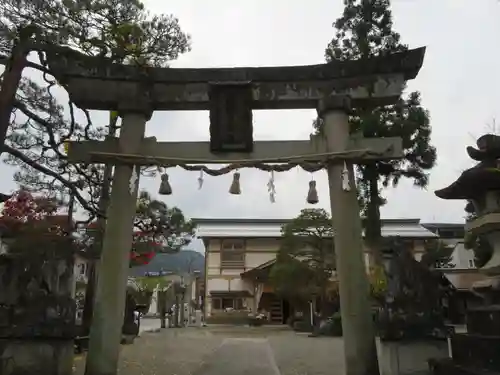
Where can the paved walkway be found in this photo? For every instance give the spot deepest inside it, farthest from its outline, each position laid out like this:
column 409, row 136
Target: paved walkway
column 241, row 356
column 229, row 351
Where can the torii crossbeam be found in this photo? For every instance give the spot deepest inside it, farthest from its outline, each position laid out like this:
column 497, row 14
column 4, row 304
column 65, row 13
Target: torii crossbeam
column 167, row 153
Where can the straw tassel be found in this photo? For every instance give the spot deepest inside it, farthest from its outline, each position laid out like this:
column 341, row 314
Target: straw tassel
column 200, row 180
column 134, row 177
column 312, row 195
column 271, row 188
column 165, row 188
column 235, row 185
column 345, row 178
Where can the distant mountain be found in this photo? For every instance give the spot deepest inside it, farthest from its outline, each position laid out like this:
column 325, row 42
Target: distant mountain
column 182, row 262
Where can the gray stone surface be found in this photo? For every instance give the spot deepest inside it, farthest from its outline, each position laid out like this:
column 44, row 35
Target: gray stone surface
column 149, row 325
column 226, row 350
column 245, row 356
column 28, row 356
column 169, row 352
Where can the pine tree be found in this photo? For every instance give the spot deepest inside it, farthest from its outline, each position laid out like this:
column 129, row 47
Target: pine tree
column 306, row 259
column 40, row 123
column 365, row 29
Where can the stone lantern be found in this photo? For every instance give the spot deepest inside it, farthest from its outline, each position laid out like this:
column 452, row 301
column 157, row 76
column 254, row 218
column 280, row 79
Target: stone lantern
column 480, row 185
column 476, row 351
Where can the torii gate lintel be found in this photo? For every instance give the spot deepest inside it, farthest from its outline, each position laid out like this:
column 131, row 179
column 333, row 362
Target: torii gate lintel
column 337, row 87
column 152, row 152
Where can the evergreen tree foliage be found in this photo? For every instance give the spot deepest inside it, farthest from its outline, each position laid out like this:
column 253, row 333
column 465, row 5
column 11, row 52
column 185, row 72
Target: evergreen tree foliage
column 42, row 119
column 306, row 259
column 365, row 29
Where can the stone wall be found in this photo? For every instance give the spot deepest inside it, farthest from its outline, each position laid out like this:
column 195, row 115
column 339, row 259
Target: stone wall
column 28, row 357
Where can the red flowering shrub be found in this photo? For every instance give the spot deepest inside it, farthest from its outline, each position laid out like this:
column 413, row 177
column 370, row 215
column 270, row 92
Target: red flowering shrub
column 31, row 225
column 144, row 246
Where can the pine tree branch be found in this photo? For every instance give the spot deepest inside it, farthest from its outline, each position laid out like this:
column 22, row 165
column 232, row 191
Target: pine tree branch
column 30, row 114
column 29, row 64
column 73, row 189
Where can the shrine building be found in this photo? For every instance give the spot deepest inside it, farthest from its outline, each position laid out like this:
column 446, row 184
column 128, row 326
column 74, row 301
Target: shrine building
column 239, row 254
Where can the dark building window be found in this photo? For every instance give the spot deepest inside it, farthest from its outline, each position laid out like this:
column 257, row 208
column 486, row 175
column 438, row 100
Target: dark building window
column 232, row 252
column 227, row 303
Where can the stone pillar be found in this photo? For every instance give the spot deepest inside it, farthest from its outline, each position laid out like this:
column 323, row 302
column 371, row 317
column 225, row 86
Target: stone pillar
column 106, row 330
column 177, row 308
column 358, row 330
column 182, row 299
column 255, row 298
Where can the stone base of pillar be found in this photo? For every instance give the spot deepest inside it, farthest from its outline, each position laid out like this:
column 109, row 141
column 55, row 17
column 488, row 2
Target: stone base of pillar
column 36, row 356
column 405, row 357
column 128, row 339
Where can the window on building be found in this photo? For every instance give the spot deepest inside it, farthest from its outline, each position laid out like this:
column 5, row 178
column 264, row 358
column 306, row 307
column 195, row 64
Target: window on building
column 216, row 303
column 471, row 263
column 233, row 245
column 233, row 251
column 238, row 304
column 227, row 303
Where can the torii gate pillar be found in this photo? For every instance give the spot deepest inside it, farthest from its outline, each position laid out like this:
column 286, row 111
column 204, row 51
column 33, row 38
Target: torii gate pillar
column 107, row 321
column 358, row 332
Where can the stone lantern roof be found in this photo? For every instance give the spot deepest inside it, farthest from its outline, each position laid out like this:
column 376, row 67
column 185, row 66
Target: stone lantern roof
column 477, row 181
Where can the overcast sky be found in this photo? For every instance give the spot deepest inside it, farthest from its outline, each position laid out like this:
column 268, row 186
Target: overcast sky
column 459, row 84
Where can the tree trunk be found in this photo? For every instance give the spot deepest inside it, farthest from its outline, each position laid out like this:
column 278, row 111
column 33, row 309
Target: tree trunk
column 373, row 227
column 8, row 89
column 323, row 307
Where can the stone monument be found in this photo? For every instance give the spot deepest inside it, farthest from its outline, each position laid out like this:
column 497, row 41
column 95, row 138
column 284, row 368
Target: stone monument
column 37, row 315
column 477, row 351
column 231, row 95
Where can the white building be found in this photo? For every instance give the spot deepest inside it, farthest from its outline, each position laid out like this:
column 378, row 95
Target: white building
column 239, row 251
column 453, row 235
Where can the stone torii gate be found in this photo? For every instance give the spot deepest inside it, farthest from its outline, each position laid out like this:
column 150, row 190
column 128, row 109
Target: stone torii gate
column 230, row 94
